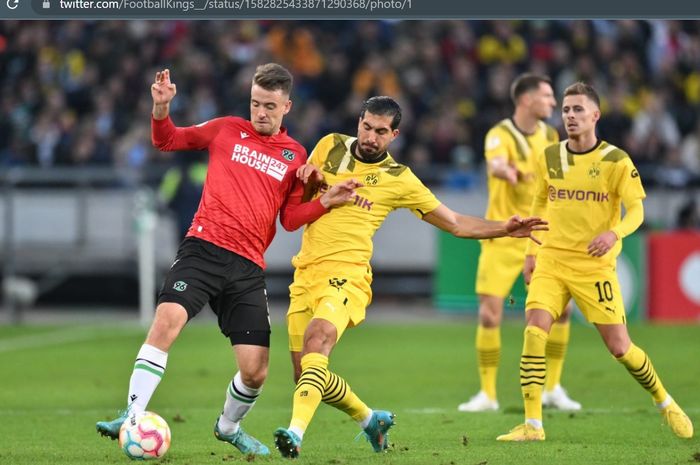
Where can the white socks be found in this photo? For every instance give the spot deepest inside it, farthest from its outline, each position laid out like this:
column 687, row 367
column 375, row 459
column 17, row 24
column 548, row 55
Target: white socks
column 239, row 400
column 148, row 370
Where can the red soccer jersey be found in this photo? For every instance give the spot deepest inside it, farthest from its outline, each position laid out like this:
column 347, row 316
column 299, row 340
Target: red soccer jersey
column 249, row 179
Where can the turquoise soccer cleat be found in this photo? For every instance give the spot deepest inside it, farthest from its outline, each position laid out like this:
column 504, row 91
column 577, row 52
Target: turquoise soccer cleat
column 242, row 441
column 287, row 442
column 111, row 428
column 377, row 432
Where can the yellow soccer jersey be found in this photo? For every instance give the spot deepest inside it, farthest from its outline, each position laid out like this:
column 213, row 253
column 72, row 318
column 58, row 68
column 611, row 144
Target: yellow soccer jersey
column 505, row 140
column 344, row 234
column 581, row 194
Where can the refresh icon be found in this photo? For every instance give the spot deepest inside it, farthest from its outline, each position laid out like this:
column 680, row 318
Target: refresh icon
column 12, row 4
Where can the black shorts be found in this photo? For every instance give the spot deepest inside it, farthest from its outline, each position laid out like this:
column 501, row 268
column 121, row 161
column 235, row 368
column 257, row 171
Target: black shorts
column 233, row 285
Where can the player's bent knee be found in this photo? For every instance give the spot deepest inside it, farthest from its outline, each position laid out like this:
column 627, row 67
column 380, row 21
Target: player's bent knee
column 489, row 320
column 169, row 320
column 618, row 347
column 490, row 311
column 254, row 378
column 320, row 337
column 318, row 342
column 539, row 318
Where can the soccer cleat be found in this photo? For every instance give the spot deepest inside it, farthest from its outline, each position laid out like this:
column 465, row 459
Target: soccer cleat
column 287, row 442
column 111, row 428
column 242, row 441
column 481, row 402
column 678, row 421
column 377, row 432
column 559, row 399
column 524, row 432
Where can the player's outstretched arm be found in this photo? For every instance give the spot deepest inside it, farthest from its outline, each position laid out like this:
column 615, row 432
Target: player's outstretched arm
column 524, row 227
column 340, row 193
column 295, row 213
column 164, row 135
column 162, row 91
column 312, row 178
column 473, row 227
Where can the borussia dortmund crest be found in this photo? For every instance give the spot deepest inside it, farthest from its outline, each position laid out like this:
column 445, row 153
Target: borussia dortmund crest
column 288, row 154
column 372, row 179
column 594, row 170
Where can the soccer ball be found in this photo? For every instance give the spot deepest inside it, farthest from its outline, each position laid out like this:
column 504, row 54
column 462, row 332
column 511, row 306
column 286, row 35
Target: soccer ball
column 144, row 436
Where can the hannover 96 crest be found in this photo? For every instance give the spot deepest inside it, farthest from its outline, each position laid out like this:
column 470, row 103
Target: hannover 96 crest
column 288, row 154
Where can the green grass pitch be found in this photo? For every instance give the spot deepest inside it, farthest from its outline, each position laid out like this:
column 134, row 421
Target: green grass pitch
column 57, row 381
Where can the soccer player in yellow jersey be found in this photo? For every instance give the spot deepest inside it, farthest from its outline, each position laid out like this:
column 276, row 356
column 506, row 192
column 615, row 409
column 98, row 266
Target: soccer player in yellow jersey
column 331, row 287
column 582, row 183
column 510, row 150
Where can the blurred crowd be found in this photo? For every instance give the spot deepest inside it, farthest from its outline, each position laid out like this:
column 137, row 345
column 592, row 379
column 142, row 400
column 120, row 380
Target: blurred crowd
column 76, row 93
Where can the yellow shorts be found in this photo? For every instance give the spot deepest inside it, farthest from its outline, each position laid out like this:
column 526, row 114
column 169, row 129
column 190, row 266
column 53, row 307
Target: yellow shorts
column 336, row 292
column 500, row 263
column 596, row 291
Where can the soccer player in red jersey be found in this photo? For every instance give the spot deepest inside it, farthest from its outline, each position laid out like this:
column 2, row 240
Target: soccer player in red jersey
column 252, row 176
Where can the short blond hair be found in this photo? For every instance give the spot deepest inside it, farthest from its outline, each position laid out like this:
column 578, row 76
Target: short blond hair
column 581, row 88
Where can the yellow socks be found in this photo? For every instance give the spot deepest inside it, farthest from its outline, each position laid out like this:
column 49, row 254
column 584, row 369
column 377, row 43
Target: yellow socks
column 488, row 350
column 309, row 390
column 317, row 384
column 638, row 364
column 339, row 395
column 532, row 371
column 555, row 352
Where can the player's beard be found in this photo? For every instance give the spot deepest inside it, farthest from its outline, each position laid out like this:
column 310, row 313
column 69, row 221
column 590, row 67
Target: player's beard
column 369, row 156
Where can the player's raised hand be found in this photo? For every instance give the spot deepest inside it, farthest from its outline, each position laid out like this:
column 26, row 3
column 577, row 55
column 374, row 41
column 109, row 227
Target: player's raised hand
column 162, row 89
column 602, row 243
column 340, row 193
column 310, row 174
column 523, row 227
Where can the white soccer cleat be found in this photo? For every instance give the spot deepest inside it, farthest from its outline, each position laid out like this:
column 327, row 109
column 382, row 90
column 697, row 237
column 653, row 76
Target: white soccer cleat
column 558, row 398
column 479, row 403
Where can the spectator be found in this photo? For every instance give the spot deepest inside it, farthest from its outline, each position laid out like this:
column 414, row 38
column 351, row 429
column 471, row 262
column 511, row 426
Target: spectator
column 66, row 86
